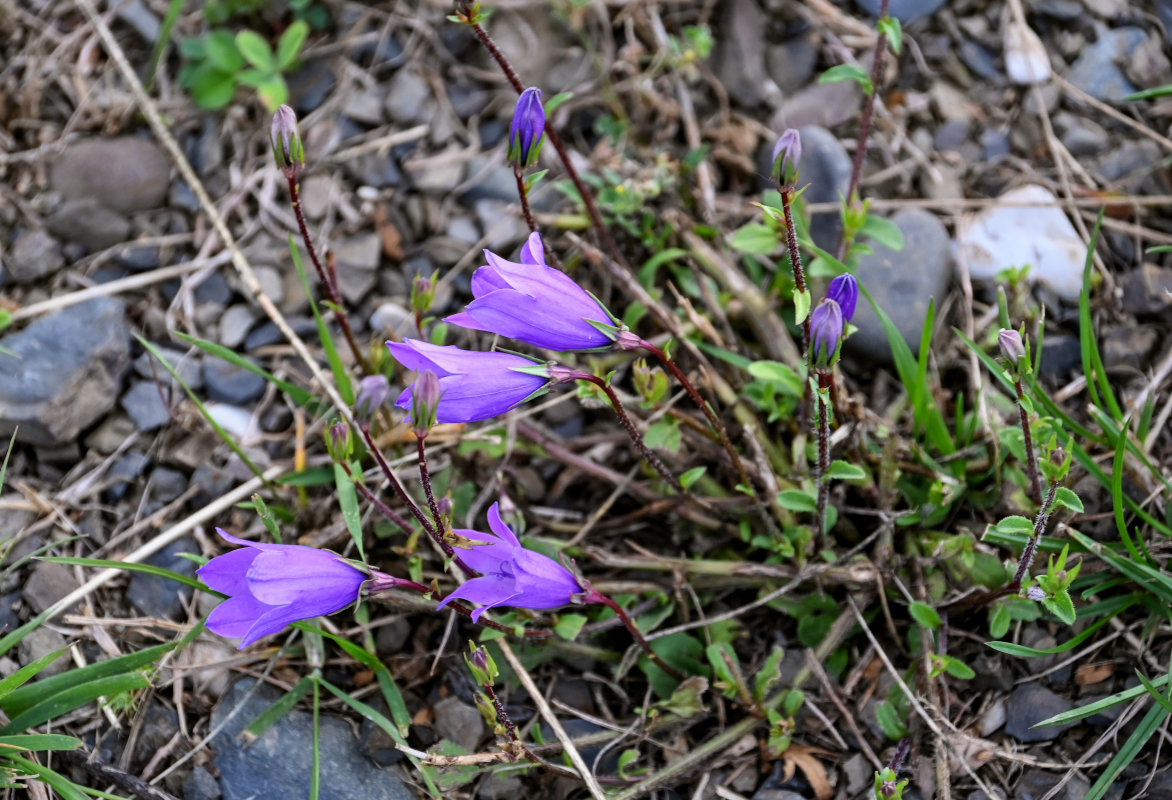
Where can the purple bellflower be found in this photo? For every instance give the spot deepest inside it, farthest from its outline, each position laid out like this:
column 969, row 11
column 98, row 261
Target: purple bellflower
column 272, row 585
column 473, row 385
column 527, row 129
column 844, row 290
column 535, row 303
column 510, row 575
column 826, row 326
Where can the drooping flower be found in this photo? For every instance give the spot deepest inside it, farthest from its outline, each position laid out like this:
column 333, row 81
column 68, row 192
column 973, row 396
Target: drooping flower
column 510, row 575
column 272, row 585
column 826, row 326
column 787, row 152
column 527, row 128
column 286, row 140
column 473, row 385
column 844, row 290
column 1012, row 347
column 534, row 303
column 372, row 394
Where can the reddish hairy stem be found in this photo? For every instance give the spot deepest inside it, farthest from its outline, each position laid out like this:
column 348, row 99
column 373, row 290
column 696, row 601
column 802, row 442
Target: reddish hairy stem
column 523, row 194
column 328, row 278
column 824, row 382
column 1031, row 461
column 379, row 505
column 510, row 728
column 594, row 596
column 865, row 123
column 1031, row 548
column 460, row 608
column 795, row 257
column 713, row 420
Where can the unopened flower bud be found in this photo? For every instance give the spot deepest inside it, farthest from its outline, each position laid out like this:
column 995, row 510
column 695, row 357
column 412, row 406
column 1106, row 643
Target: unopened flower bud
column 422, row 294
column 844, row 290
column 425, row 399
column 1011, row 345
column 527, row 129
column 373, row 392
column 787, row 152
column 339, row 441
column 286, row 140
column 826, row 327
column 1036, row 594
column 482, row 666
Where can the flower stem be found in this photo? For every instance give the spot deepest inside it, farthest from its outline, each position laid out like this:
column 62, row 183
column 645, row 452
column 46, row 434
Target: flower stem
column 795, row 257
column 865, row 124
column 459, row 607
column 517, row 746
column 825, row 380
column 523, row 193
column 329, row 280
column 629, row 426
column 587, row 198
column 425, row 478
column 1031, row 548
column 1031, row 461
column 593, row 596
column 713, row 420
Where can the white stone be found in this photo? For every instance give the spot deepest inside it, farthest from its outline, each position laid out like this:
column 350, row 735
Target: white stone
column 1018, row 231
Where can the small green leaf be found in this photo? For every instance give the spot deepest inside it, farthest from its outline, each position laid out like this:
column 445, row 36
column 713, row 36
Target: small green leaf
column 221, row 52
column 889, row 26
column 797, row 500
column 691, row 476
column 569, row 625
column 551, row 105
column 801, row 306
column 273, row 92
column 889, row 721
column 999, row 621
column 883, row 231
column 1061, row 606
column 664, row 434
column 958, row 669
column 779, row 373
column 212, row 88
column 755, row 239
column 842, row 471
column 256, row 50
column 925, row 615
column 290, row 44
column 848, row 72
column 1015, row 524
column 1066, row 497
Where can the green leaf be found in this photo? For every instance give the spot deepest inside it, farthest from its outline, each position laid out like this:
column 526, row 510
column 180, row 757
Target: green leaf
column 665, row 434
column 883, row 231
column 691, row 476
column 779, row 373
column 842, row 471
column 1061, row 606
column 256, row 50
column 63, row 702
column 212, row 88
column 351, row 513
column 1015, row 524
column 801, row 306
column 925, row 615
column 569, row 626
column 146, row 569
column 768, row 675
column 755, row 239
column 797, row 500
column 551, row 105
column 273, row 92
column 28, row 672
column 278, row 708
column 889, row 721
column 219, row 47
column 39, row 741
column 290, row 44
column 848, row 72
column 958, row 669
column 999, row 621
column 1066, row 497
column 889, row 26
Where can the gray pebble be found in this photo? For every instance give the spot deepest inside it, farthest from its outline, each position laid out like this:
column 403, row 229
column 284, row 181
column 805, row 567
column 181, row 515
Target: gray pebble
column 229, row 383
column 146, row 405
column 123, row 174
column 1097, row 71
column 34, row 255
column 161, row 598
column 1030, row 704
column 235, row 323
column 89, row 224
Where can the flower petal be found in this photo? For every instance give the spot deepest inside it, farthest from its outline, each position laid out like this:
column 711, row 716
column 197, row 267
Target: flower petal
column 488, row 591
column 486, row 558
column 233, row 617
column 316, row 580
column 226, row 573
column 540, row 321
column 533, row 251
column 497, row 526
column 543, row 582
column 274, row 621
column 487, row 279
column 553, row 286
column 469, row 398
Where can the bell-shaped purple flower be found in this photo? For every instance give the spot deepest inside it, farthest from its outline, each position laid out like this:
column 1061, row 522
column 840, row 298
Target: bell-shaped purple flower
column 527, row 128
column 534, row 303
column 844, row 290
column 473, row 385
column 510, row 575
column 272, row 585
column 826, row 326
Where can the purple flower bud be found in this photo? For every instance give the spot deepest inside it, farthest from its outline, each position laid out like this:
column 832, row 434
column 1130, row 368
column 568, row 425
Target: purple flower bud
column 425, row 399
column 1011, row 345
column 527, row 128
column 510, row 575
column 373, row 391
column 286, row 141
column 844, row 290
column 422, row 294
column 272, row 585
column 481, row 665
column 534, row 303
column 787, row 152
column 339, row 442
column 473, row 385
column 826, row 327
column 1036, row 594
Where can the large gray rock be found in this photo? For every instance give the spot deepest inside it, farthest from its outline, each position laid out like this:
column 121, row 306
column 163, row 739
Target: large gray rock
column 63, row 372
column 902, row 283
column 1098, row 70
column 1030, row 704
column 278, row 763
column 34, row 255
column 123, row 174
